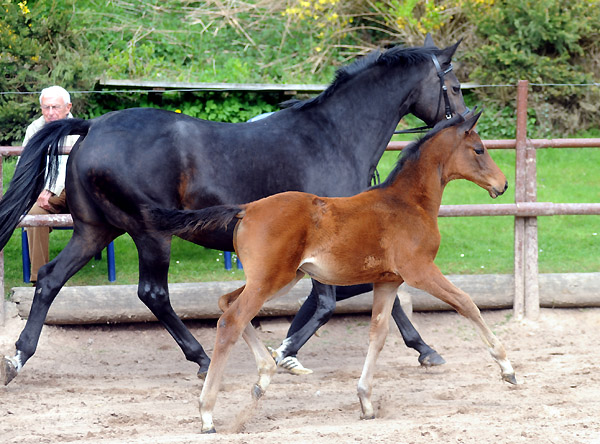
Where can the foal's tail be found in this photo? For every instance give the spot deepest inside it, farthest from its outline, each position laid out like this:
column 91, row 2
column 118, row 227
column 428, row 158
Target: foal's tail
column 31, row 174
column 182, row 222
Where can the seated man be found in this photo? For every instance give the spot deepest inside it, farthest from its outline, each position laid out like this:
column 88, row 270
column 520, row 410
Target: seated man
column 56, row 104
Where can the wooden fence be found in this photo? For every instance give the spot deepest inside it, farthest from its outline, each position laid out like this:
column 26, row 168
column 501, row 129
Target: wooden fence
column 526, row 209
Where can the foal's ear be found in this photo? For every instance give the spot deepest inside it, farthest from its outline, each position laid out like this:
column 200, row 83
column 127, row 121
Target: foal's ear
column 446, row 54
column 470, row 122
column 429, row 42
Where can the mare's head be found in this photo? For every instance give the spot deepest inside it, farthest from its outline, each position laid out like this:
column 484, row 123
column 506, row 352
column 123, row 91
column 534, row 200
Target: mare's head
column 467, row 158
column 416, row 80
column 438, row 95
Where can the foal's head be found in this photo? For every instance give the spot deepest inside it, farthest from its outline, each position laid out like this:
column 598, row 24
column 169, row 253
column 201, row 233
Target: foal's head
column 469, row 159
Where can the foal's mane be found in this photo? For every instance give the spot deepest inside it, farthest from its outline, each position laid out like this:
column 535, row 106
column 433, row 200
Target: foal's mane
column 391, row 57
column 413, row 150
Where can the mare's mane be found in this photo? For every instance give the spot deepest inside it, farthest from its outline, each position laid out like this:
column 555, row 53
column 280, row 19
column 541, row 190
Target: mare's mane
column 394, row 56
column 412, row 151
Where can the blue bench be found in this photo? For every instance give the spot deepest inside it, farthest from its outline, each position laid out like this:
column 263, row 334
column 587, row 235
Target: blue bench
column 110, row 257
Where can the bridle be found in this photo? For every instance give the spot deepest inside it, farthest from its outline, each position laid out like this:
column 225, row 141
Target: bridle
column 441, row 73
column 443, row 88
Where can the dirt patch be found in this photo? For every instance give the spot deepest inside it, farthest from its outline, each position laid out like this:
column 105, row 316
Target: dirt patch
column 131, row 384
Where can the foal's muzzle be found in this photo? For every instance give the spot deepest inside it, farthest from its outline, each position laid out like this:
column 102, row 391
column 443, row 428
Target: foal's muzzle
column 495, row 192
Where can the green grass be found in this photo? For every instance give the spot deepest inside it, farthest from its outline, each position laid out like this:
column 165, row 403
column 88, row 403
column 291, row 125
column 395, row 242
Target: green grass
column 476, row 245
column 470, row 245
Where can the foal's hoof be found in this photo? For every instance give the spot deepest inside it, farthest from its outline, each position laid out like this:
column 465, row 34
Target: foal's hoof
column 431, row 359
column 366, row 417
column 209, row 431
column 257, row 392
column 8, row 371
column 510, row 378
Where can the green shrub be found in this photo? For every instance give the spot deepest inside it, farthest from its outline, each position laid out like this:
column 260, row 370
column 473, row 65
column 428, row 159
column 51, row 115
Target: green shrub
column 38, row 48
column 543, row 41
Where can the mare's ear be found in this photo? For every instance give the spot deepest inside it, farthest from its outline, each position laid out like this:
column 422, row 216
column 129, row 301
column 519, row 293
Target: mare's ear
column 470, row 122
column 429, row 42
column 446, row 54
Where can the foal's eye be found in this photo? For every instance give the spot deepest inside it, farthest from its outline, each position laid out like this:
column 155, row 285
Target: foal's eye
column 478, row 150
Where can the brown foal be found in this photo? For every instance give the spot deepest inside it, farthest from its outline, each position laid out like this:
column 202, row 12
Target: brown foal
column 386, row 235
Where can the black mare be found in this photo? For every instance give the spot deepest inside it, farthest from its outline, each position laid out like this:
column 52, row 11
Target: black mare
column 127, row 160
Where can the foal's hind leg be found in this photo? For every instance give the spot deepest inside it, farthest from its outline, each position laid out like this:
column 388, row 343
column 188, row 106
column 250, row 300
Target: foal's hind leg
column 264, row 361
column 234, row 320
column 431, row 280
column 153, row 291
column 383, row 298
column 51, row 278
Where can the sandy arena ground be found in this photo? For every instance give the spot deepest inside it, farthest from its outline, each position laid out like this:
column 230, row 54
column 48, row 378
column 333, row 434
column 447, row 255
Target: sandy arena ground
column 131, row 384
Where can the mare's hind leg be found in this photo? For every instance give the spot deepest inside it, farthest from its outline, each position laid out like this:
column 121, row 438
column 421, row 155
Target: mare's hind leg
column 51, row 278
column 431, row 280
column 383, row 299
column 153, row 291
column 306, row 323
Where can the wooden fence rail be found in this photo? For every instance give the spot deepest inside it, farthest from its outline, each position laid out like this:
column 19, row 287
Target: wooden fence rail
column 525, row 209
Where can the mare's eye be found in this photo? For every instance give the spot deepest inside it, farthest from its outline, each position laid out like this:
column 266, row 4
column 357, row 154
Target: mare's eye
column 456, row 89
column 478, row 150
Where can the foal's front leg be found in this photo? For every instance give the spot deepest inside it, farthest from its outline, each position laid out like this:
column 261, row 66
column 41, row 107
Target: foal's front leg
column 431, row 280
column 383, row 299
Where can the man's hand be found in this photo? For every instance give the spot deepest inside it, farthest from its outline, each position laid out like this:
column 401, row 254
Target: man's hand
column 42, row 200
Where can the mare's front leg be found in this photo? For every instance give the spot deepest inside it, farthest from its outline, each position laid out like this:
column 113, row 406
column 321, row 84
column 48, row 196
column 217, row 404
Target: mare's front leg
column 153, row 291
column 383, row 299
column 430, row 279
column 51, row 279
column 427, row 356
column 304, row 324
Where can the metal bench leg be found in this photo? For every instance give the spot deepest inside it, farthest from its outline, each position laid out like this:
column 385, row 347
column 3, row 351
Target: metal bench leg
column 26, row 262
column 110, row 260
column 227, row 259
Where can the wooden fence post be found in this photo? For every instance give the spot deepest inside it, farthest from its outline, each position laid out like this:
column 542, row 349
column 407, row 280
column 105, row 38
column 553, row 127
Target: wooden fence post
column 526, row 302
column 2, row 298
column 521, row 140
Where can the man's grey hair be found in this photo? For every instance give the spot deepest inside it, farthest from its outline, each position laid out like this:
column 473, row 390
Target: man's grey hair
column 56, row 91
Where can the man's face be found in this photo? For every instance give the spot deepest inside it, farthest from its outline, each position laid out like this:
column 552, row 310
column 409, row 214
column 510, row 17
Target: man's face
column 54, row 108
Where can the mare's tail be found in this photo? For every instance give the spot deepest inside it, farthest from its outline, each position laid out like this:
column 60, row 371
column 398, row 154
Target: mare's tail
column 30, row 175
column 182, row 222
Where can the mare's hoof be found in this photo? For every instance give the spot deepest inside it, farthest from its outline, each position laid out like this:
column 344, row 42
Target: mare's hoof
column 431, row 359
column 257, row 392
column 511, row 378
column 8, row 371
column 202, row 374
